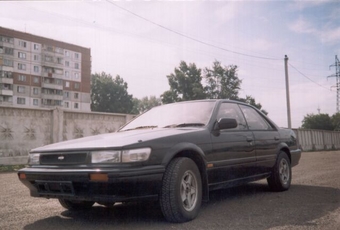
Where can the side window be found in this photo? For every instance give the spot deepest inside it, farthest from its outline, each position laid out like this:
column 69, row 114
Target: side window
column 254, row 119
column 229, row 110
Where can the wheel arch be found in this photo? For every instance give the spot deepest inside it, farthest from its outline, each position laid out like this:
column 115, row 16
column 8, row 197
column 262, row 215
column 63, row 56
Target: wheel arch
column 287, row 151
column 196, row 154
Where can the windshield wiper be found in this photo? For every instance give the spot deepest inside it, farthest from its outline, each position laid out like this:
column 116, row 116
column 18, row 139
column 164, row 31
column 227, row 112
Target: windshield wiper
column 184, row 125
column 142, row 127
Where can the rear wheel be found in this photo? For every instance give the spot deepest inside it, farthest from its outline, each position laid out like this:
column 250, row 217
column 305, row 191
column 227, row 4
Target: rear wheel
column 75, row 205
column 181, row 194
column 281, row 177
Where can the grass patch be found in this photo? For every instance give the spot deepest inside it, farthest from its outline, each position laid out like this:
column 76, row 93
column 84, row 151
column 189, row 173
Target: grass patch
column 11, row 168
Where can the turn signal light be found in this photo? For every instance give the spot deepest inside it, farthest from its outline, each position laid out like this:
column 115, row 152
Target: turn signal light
column 99, row 177
column 22, row 175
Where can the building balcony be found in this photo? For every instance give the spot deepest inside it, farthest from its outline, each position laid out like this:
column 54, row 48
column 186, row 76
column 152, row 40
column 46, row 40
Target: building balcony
column 51, row 86
column 52, row 96
column 6, row 92
column 7, row 68
column 6, row 80
column 6, row 103
column 10, row 45
column 51, row 64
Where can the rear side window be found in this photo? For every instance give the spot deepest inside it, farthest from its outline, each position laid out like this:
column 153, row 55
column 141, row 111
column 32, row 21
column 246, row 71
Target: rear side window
column 229, row 110
column 254, row 120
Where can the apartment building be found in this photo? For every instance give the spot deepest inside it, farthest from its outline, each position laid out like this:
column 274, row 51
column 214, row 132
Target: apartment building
column 42, row 72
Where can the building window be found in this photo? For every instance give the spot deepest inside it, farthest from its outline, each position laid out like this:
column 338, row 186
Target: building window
column 67, row 63
column 36, row 57
column 6, row 50
column 21, row 78
column 35, row 80
column 76, row 85
column 49, row 58
column 67, row 74
column 6, row 39
column 36, row 47
column 60, row 60
column 21, row 101
column 49, row 48
column 76, row 75
column 21, row 66
column 35, row 102
column 21, row 55
column 58, row 82
column 22, row 44
column 76, row 106
column 21, row 89
column 36, row 69
column 58, row 50
column 67, row 84
column 67, row 54
column 66, row 94
column 66, row 104
column 76, row 95
column 35, row 91
column 8, row 62
column 5, row 74
column 76, row 65
column 76, row 55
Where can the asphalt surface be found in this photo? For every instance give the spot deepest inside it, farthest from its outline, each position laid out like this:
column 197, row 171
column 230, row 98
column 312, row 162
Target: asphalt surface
column 313, row 202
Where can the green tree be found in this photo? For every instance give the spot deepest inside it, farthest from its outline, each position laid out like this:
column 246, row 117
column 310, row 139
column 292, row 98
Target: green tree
column 110, row 94
column 185, row 84
column 336, row 121
column 250, row 100
column 319, row 121
column 144, row 104
column 222, row 82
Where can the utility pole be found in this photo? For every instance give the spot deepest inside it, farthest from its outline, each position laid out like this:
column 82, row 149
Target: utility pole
column 287, row 93
column 337, row 78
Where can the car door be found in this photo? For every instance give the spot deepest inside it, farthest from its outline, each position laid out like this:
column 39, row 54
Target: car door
column 266, row 138
column 233, row 150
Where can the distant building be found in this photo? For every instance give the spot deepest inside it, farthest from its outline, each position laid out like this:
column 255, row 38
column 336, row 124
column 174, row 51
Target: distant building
column 42, row 72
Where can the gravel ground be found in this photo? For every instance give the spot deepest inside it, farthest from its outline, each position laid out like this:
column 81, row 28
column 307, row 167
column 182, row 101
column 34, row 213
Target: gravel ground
column 313, row 202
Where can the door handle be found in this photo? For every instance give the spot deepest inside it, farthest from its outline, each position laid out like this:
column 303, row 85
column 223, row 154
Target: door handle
column 276, row 138
column 249, row 139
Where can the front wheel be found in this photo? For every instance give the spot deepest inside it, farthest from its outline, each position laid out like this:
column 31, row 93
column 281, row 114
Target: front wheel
column 181, row 193
column 75, row 205
column 281, row 177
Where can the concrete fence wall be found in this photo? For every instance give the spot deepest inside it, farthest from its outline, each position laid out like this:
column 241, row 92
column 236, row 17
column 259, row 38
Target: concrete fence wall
column 310, row 140
column 23, row 129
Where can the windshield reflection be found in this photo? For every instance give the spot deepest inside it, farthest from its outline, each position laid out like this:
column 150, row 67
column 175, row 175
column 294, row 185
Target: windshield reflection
column 195, row 114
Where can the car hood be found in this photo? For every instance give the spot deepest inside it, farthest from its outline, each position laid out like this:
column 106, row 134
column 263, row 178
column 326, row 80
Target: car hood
column 115, row 140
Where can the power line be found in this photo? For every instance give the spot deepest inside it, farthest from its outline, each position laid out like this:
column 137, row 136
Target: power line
column 191, row 38
column 309, row 78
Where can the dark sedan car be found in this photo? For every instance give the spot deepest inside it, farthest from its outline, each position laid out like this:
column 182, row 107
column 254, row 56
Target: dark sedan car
column 174, row 154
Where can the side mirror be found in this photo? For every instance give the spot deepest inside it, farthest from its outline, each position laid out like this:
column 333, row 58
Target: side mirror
column 226, row 123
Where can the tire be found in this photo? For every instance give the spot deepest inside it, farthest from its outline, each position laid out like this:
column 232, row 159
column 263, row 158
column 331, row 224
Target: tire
column 281, row 177
column 75, row 205
column 181, row 193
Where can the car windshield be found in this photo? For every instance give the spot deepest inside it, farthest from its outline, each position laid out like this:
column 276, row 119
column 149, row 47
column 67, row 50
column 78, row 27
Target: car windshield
column 174, row 115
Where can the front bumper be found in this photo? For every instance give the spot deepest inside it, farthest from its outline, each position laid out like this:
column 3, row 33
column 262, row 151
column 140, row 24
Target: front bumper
column 296, row 156
column 76, row 184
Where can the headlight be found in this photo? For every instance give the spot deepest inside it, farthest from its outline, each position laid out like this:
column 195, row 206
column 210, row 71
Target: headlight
column 135, row 155
column 125, row 156
column 34, row 159
column 106, row 157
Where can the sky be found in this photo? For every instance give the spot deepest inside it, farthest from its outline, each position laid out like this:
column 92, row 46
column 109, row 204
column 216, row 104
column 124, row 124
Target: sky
column 144, row 41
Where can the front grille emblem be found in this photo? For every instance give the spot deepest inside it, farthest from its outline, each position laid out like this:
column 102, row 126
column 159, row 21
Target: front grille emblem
column 61, row 158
